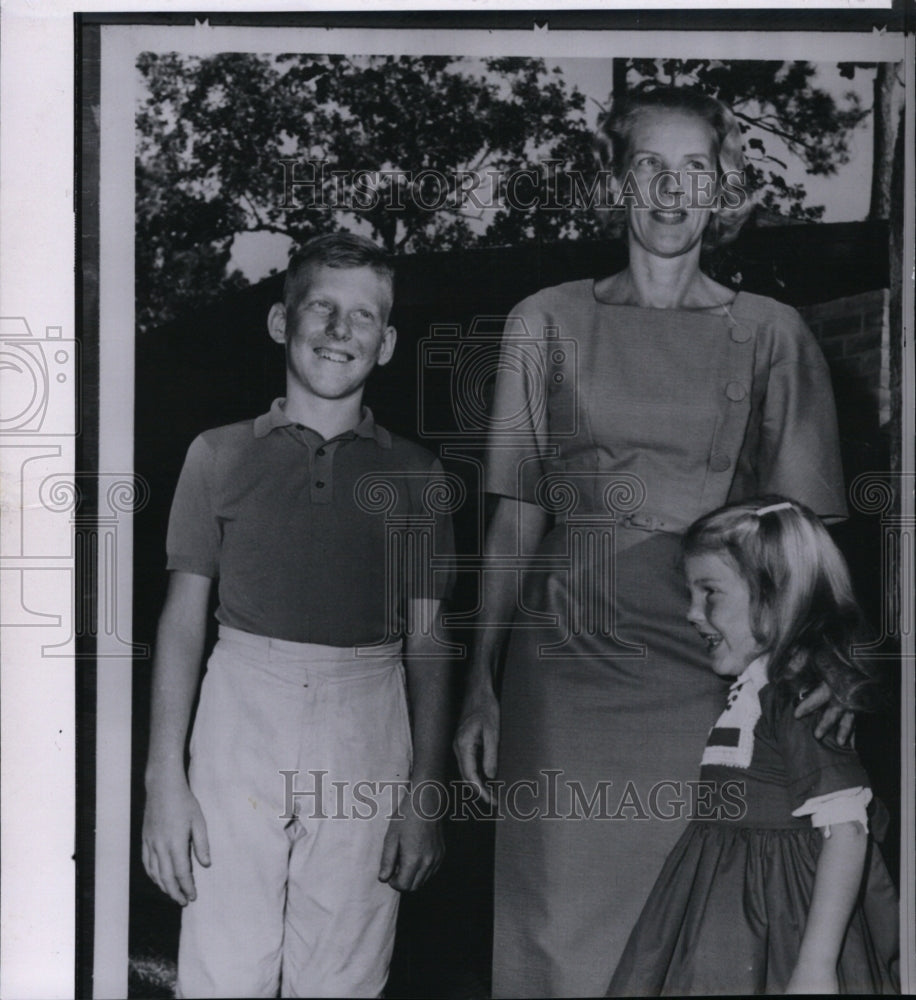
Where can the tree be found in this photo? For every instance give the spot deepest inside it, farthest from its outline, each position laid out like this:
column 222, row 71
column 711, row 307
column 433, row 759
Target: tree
column 241, row 143
column 393, row 147
column 888, row 90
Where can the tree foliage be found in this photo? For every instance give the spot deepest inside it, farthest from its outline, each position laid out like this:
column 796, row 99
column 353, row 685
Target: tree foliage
column 219, row 138
column 213, row 135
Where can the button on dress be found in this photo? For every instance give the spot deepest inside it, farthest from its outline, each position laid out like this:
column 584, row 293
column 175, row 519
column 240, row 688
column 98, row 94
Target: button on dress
column 632, row 424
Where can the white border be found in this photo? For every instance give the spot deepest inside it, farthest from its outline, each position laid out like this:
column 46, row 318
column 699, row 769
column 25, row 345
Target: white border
column 116, row 454
column 38, row 696
column 205, row 39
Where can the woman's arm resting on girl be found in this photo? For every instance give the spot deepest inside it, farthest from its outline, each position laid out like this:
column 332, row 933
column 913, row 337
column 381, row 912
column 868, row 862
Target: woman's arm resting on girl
column 833, row 715
column 836, row 886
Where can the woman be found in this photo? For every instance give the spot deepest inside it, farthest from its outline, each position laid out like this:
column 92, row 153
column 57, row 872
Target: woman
column 680, row 395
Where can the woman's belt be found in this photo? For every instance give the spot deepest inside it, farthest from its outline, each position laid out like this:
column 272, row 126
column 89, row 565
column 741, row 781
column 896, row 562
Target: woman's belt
column 649, row 522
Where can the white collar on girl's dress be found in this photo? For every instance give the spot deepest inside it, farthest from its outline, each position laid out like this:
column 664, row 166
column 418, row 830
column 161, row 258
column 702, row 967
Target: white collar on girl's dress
column 731, row 739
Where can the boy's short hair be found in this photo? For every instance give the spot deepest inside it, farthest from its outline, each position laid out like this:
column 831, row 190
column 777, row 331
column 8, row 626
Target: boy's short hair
column 344, row 250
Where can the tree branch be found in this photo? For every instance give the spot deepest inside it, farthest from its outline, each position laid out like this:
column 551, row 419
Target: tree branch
column 257, row 217
column 761, row 123
column 266, row 227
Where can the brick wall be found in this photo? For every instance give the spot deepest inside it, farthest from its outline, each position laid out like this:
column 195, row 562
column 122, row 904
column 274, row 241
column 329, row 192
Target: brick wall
column 853, row 333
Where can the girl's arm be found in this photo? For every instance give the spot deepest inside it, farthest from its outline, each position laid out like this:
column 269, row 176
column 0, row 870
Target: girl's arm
column 836, row 886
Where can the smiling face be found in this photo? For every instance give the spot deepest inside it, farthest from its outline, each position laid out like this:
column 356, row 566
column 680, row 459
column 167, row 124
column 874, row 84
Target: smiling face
column 335, row 327
column 721, row 611
column 668, row 184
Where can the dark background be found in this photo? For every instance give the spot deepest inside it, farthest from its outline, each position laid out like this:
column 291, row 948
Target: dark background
column 220, row 367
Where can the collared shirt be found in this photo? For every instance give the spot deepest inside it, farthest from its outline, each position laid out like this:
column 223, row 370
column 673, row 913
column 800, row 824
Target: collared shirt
column 311, row 540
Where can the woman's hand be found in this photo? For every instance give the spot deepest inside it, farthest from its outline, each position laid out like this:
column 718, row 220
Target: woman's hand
column 515, row 527
column 477, row 738
column 833, row 716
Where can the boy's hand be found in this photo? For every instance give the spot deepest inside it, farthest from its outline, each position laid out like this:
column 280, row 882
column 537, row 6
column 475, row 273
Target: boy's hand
column 172, row 822
column 412, row 852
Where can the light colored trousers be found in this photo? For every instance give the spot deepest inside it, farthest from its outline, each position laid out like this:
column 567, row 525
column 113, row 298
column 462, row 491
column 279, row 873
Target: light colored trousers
column 291, row 899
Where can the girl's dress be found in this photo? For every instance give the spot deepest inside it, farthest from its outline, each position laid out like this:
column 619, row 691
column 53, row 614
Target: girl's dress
column 728, row 911
column 626, row 424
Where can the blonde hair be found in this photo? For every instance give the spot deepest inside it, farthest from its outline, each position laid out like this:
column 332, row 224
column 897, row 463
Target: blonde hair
column 804, row 612
column 616, row 127
column 339, row 250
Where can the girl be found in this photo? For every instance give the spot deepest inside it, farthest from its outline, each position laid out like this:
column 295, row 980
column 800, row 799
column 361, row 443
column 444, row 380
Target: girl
column 764, row 892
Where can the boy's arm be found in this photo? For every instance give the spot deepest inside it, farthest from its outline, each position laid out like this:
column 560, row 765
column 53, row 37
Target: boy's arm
column 836, row 886
column 172, row 818
column 413, row 848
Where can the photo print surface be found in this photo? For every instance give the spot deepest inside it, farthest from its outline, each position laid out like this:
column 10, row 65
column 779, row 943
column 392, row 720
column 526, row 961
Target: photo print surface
column 480, row 159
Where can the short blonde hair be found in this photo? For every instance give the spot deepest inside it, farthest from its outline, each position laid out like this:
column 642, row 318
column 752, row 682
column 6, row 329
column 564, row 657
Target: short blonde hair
column 616, row 127
column 338, row 250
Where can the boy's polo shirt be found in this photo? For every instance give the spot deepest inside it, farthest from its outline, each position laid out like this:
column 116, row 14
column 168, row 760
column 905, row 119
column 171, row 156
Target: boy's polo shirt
column 308, row 537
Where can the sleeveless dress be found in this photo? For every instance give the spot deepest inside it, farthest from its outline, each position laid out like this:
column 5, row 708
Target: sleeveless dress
column 728, row 911
column 625, row 424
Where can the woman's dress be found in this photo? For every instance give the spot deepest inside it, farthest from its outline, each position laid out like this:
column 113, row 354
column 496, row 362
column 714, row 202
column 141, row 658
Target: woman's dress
column 626, row 424
column 729, row 909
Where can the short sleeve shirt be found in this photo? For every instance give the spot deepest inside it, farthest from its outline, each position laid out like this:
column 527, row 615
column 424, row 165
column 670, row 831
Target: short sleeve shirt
column 313, row 540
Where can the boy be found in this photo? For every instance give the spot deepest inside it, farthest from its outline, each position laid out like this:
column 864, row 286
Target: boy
column 296, row 881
